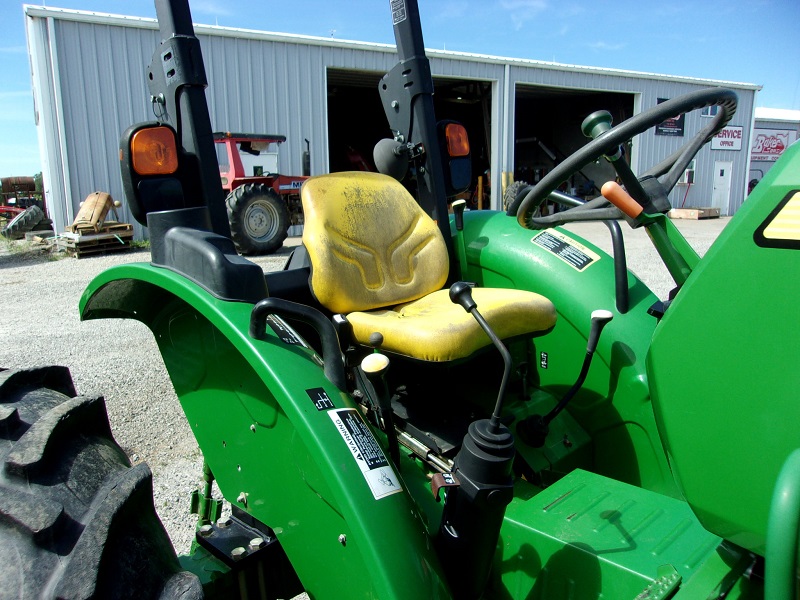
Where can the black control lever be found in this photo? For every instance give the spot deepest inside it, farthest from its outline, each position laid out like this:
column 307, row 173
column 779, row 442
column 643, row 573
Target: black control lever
column 535, row 428
column 461, row 293
column 473, row 511
column 374, row 366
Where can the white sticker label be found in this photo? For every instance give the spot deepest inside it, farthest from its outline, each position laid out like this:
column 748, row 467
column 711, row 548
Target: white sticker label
column 399, row 13
column 564, row 247
column 366, row 452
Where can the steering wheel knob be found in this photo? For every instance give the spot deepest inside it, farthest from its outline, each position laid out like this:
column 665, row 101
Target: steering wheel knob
column 596, row 124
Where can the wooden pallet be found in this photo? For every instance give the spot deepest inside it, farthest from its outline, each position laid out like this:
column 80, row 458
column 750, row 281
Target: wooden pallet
column 108, row 227
column 86, row 244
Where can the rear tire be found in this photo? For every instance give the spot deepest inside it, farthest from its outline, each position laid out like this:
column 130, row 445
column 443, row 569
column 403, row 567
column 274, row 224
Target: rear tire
column 23, row 222
column 76, row 520
column 258, row 218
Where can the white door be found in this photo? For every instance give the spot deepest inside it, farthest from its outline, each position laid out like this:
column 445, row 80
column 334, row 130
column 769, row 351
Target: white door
column 721, row 196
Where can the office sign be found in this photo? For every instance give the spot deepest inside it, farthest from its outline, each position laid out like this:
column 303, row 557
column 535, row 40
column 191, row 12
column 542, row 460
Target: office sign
column 730, row 138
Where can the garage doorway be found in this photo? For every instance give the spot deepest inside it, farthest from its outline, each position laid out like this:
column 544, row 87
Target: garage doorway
column 547, row 129
column 356, row 121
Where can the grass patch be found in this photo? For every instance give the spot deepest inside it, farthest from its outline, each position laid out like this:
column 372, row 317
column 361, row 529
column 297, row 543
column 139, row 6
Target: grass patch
column 14, row 246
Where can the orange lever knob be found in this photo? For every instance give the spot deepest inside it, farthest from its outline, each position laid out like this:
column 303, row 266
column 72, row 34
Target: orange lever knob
column 612, row 192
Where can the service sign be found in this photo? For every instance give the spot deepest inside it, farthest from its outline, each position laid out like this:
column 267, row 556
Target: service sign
column 730, row 138
column 769, row 144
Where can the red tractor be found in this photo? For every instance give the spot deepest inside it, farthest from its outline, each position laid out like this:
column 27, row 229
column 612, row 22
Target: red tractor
column 261, row 205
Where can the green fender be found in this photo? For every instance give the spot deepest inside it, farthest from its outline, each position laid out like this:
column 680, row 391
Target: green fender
column 262, row 413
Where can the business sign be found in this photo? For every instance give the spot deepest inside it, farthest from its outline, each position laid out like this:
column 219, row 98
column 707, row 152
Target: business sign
column 671, row 126
column 769, row 144
column 730, row 138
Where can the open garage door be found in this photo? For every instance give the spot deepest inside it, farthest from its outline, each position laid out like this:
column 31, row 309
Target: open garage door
column 547, row 129
column 356, row 121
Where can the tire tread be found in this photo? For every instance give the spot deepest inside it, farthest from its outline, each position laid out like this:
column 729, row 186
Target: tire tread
column 76, row 519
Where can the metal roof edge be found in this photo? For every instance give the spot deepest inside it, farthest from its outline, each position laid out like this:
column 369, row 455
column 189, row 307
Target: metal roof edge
column 85, row 16
column 541, row 64
column 777, row 114
column 151, row 23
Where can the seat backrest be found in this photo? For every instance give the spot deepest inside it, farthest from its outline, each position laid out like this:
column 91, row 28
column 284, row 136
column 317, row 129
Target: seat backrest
column 370, row 243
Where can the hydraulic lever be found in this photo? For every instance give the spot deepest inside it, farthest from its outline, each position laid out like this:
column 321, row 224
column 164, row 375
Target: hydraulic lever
column 474, row 509
column 461, row 293
column 375, row 366
column 535, row 428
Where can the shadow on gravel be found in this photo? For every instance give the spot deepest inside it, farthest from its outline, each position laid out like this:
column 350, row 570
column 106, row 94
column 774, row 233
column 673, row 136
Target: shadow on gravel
column 19, row 254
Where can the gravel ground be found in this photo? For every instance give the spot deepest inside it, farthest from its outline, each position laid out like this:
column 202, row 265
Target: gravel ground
column 116, row 358
column 119, row 359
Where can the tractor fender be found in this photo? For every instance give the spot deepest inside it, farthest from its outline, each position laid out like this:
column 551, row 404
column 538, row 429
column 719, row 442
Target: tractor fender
column 283, row 442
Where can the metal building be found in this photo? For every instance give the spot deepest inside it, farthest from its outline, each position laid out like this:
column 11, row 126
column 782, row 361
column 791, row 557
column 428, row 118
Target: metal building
column 775, row 130
column 88, row 73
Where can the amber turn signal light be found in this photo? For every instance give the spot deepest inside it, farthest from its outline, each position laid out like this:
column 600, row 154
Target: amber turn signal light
column 154, row 151
column 457, row 140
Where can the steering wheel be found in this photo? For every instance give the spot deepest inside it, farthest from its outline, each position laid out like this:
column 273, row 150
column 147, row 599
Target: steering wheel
column 608, row 142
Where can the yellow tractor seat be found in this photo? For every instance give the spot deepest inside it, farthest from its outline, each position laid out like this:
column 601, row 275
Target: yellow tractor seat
column 379, row 260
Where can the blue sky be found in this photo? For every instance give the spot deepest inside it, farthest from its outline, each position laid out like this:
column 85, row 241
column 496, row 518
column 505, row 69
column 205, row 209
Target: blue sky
column 749, row 41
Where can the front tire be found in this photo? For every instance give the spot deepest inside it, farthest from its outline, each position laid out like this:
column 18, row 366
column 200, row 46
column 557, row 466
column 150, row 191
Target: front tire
column 512, row 191
column 258, row 218
column 76, row 520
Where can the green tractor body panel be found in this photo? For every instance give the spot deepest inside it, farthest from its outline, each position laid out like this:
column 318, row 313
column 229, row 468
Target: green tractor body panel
column 244, row 410
column 616, row 536
column 727, row 438
column 613, row 406
column 642, row 468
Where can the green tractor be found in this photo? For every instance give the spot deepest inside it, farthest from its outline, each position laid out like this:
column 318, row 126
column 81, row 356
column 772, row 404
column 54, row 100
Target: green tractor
column 429, row 402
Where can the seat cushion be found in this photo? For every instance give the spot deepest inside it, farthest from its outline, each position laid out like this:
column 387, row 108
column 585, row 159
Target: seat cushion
column 434, row 329
column 370, row 243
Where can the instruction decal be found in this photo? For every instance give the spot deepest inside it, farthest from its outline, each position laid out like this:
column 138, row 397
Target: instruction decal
column 368, row 455
column 564, row 247
column 289, row 336
column 399, row 13
column 320, row 398
column 284, row 331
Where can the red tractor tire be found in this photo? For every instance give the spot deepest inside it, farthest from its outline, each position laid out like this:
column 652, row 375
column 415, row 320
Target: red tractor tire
column 259, row 219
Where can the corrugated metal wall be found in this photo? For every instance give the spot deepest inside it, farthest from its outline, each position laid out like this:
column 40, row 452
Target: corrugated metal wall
column 89, row 86
column 649, row 148
column 788, row 127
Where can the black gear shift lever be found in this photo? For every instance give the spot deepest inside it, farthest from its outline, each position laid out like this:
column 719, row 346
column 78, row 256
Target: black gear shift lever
column 461, row 293
column 534, row 429
column 474, row 509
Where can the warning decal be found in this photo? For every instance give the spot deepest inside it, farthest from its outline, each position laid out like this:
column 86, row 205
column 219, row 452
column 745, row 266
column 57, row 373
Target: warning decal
column 564, row 247
column 366, row 452
column 781, row 229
